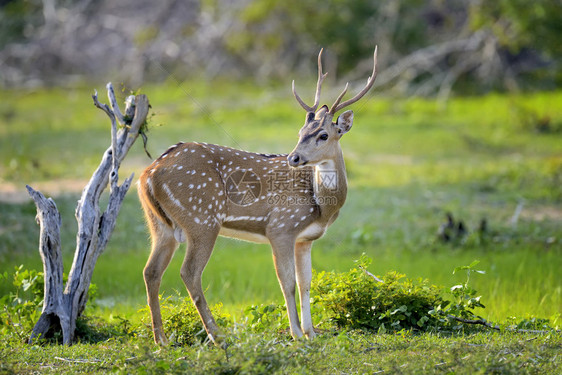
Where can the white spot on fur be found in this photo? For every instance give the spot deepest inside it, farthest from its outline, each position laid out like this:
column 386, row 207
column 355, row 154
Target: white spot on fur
column 171, row 196
column 244, row 218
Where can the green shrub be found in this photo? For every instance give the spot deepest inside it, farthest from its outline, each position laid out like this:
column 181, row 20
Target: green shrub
column 265, row 318
column 465, row 298
column 356, row 300
column 22, row 306
column 181, row 321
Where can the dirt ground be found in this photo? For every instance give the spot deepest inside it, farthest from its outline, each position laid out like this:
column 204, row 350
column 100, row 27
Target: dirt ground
column 14, row 193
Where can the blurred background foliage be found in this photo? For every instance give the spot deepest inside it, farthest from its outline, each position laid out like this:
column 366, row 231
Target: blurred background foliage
column 432, row 47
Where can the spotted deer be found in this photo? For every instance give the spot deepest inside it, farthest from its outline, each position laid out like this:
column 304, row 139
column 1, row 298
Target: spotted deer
column 195, row 192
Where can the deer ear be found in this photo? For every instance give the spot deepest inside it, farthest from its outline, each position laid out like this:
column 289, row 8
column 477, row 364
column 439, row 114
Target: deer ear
column 344, row 122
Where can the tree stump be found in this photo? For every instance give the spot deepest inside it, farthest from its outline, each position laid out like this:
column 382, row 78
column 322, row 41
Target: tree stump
column 61, row 307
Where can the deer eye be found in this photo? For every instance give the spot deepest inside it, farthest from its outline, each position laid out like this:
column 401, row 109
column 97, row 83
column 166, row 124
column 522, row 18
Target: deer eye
column 323, row 137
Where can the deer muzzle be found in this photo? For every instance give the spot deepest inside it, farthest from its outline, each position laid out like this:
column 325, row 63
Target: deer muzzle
column 295, row 160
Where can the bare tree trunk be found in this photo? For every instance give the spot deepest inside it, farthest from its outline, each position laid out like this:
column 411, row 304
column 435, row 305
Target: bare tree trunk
column 61, row 307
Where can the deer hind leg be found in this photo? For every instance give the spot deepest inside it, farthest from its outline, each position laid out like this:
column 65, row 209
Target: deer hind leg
column 304, row 277
column 199, row 249
column 284, row 260
column 163, row 247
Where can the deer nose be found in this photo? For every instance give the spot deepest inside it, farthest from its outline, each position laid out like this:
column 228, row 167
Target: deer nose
column 293, row 159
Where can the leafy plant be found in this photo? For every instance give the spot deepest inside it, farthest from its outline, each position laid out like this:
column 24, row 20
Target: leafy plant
column 267, row 317
column 459, row 309
column 182, row 323
column 21, row 306
column 465, row 297
column 357, row 300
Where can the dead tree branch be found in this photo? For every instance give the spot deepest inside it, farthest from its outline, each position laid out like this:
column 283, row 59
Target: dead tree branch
column 468, row 51
column 62, row 308
column 487, row 324
column 371, row 275
column 474, row 321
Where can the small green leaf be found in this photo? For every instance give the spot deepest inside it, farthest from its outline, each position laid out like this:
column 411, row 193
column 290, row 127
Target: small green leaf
column 460, row 268
column 474, row 263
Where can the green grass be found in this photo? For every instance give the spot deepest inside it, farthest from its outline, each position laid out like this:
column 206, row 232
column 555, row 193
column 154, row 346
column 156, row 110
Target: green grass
column 347, row 352
column 409, row 161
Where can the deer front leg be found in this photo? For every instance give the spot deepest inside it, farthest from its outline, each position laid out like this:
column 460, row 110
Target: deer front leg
column 199, row 249
column 163, row 247
column 304, row 277
column 284, row 260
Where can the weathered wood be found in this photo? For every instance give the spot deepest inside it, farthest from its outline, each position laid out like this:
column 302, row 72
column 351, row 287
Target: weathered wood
column 50, row 250
column 62, row 308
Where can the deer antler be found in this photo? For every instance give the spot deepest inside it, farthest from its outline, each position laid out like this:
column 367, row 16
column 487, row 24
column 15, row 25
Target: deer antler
column 337, row 106
column 321, row 77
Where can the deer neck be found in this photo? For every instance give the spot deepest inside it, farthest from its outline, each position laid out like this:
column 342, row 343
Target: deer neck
column 330, row 186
